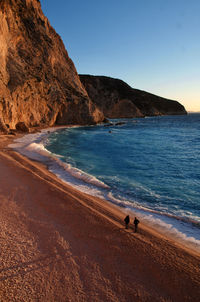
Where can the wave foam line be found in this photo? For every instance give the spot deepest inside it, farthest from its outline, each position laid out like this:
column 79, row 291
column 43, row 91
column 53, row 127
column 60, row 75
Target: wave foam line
column 83, row 176
column 32, row 146
column 176, row 228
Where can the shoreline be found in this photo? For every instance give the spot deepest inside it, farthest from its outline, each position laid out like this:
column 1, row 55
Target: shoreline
column 172, row 227
column 147, row 252
column 41, row 167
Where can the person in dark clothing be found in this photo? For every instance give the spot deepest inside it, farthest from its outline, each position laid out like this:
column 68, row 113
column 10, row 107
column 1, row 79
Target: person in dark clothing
column 136, row 222
column 127, row 220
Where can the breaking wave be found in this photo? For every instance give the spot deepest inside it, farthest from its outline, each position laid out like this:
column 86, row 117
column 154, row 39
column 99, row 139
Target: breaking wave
column 182, row 229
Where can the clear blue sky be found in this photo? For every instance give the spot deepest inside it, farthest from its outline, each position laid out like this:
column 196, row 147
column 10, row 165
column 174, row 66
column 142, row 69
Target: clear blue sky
column 153, row 45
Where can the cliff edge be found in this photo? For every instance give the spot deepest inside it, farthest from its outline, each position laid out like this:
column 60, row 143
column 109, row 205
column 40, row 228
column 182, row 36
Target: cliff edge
column 39, row 84
column 116, row 99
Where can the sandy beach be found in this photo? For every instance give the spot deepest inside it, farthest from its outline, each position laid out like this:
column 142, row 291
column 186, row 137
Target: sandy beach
column 58, row 244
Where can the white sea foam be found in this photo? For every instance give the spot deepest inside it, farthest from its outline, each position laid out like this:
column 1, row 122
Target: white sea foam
column 77, row 174
column 176, row 229
column 61, row 171
column 165, row 224
column 33, row 146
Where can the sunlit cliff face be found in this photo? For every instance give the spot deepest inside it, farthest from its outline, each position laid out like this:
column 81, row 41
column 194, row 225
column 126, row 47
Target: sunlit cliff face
column 39, row 84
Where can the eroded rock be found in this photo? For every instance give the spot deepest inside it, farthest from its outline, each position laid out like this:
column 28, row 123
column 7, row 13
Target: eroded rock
column 39, row 84
column 22, row 127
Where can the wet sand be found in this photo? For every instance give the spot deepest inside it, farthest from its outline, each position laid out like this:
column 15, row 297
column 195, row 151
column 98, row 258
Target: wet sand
column 58, row 244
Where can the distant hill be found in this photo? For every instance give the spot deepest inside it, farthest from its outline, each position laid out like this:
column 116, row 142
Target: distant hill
column 116, row 99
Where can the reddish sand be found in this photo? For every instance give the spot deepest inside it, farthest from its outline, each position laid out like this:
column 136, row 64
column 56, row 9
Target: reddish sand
column 58, row 244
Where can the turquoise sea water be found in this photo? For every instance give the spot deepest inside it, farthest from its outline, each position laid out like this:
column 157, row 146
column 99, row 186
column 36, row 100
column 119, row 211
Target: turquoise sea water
column 148, row 166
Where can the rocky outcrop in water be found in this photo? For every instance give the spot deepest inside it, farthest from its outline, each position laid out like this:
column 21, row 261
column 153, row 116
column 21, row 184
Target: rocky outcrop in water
column 39, row 84
column 116, row 99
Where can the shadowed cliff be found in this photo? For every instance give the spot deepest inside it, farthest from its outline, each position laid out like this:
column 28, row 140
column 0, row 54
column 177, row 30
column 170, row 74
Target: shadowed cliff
column 39, row 84
column 116, row 99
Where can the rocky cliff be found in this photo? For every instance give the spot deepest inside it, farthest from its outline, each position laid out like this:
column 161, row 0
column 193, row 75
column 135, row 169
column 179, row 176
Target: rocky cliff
column 39, row 84
column 116, row 99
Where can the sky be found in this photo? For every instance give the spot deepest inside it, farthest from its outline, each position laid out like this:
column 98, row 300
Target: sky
column 153, row 45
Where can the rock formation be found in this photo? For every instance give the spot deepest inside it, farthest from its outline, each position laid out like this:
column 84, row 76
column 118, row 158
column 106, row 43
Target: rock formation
column 116, row 99
column 39, row 84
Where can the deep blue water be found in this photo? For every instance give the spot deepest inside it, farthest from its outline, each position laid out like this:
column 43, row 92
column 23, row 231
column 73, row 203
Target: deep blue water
column 153, row 161
column 150, row 166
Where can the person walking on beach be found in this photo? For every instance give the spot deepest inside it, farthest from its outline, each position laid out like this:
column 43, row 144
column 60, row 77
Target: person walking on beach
column 127, row 220
column 136, row 222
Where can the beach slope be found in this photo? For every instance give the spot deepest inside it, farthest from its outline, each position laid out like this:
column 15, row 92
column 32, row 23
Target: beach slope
column 58, row 244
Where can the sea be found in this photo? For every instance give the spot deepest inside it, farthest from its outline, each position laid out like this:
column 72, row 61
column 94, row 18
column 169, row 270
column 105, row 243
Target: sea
column 149, row 167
